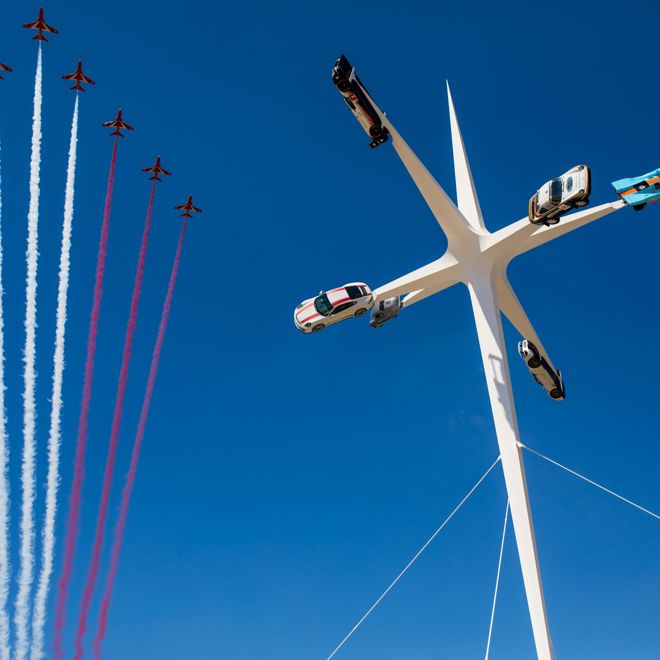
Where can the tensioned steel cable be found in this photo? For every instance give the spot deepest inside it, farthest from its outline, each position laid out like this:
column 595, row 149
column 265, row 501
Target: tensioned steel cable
column 412, row 561
column 589, row 481
column 497, row 580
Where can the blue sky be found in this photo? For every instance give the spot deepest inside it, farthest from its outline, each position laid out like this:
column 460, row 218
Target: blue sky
column 286, row 479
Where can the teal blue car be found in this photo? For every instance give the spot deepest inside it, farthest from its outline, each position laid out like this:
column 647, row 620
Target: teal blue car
column 640, row 190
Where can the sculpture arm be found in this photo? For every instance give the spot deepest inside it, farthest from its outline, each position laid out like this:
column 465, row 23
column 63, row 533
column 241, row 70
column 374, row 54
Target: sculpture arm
column 522, row 236
column 450, row 219
column 511, row 308
column 431, row 278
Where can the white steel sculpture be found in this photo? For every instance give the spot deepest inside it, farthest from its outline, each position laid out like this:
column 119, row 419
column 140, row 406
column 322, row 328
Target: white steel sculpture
column 479, row 259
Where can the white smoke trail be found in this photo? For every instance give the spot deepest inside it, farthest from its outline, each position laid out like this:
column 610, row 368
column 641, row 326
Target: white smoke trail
column 21, row 614
column 52, row 484
column 4, row 483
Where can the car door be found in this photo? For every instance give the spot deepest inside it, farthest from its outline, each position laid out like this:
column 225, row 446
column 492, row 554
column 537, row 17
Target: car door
column 343, row 311
column 361, row 294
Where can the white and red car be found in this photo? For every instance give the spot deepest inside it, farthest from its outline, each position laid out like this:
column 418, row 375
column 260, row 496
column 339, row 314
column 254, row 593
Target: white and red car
column 329, row 307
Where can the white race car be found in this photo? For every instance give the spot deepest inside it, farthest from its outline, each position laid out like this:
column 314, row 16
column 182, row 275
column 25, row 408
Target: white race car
column 357, row 100
column 314, row 314
column 541, row 371
column 557, row 196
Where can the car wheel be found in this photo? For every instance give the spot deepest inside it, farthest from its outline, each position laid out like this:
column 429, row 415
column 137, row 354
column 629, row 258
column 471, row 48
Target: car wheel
column 552, row 221
column 534, row 363
column 638, row 207
column 318, row 328
column 556, row 393
column 360, row 312
column 343, row 85
column 581, row 202
column 376, row 131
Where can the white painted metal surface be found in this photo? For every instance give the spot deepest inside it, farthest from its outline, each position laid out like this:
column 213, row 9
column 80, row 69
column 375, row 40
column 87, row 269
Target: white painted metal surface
column 479, row 259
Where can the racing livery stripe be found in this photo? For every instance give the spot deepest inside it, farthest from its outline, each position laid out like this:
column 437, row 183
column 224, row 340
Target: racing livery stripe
column 304, row 319
column 632, row 191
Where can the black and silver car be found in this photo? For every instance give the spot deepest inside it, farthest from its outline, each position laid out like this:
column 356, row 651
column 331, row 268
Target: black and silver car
column 384, row 310
column 541, row 371
column 357, row 100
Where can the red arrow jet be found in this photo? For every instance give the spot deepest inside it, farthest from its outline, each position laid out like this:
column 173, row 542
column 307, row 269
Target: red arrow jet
column 156, row 169
column 41, row 26
column 187, row 208
column 118, row 123
column 4, row 67
column 79, row 77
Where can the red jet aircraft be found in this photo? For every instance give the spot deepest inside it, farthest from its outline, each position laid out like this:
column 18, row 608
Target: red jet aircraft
column 118, row 123
column 156, row 169
column 4, row 67
column 187, row 208
column 41, row 26
column 79, row 77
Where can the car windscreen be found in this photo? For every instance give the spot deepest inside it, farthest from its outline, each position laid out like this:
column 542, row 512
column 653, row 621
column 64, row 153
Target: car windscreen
column 322, row 304
column 344, row 66
column 354, row 292
column 555, row 190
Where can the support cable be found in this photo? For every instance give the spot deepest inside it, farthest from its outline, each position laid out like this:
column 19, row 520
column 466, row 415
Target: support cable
column 497, row 580
column 589, row 481
column 412, row 561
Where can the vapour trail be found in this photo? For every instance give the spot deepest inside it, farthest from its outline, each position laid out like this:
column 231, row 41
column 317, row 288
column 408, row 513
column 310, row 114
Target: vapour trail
column 92, row 576
column 53, row 479
column 135, row 454
column 4, row 481
column 25, row 576
column 81, row 442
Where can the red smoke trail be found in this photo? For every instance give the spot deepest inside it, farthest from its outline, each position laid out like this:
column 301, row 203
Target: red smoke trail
column 135, row 455
column 79, row 466
column 114, row 434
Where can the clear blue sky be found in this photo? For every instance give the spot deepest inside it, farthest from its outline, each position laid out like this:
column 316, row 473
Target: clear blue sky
column 286, row 479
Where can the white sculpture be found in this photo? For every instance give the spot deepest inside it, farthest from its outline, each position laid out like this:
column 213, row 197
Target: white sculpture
column 479, row 259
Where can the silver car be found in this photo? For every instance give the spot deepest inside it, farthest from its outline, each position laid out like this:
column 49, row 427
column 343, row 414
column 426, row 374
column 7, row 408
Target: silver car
column 541, row 371
column 557, row 196
column 385, row 310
